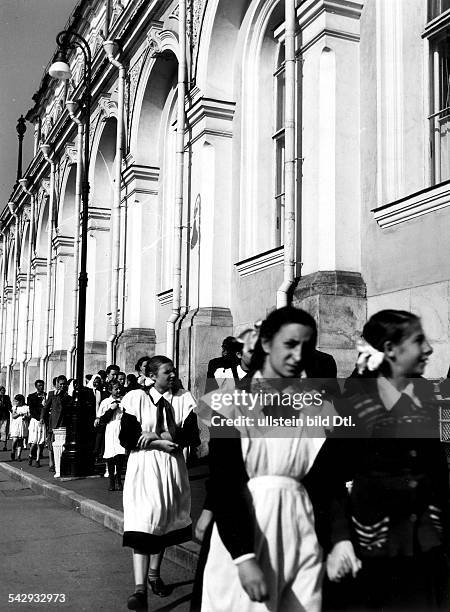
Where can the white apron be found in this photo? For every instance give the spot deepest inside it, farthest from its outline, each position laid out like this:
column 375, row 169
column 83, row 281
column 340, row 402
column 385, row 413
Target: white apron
column 286, row 544
column 156, row 496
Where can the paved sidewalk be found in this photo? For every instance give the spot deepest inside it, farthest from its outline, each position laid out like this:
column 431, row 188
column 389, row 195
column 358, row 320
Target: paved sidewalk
column 67, row 562
column 91, row 498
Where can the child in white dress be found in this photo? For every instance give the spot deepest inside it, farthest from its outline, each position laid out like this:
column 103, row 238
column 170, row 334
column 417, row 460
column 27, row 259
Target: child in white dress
column 110, row 412
column 157, row 424
column 19, row 426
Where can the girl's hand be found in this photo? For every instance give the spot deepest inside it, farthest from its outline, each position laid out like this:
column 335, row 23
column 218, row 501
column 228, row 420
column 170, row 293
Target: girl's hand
column 165, row 435
column 165, row 445
column 342, row 560
column 252, row 580
column 145, row 439
column 96, row 422
column 203, row 523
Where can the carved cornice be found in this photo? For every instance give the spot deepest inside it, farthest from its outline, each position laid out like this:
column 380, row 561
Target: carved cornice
column 165, row 297
column 63, row 245
column 255, row 264
column 21, row 280
column 26, row 213
column 332, row 18
column 70, row 153
column 45, row 185
column 137, row 172
column 38, row 265
column 98, row 219
column 212, row 117
column 154, row 38
column 107, row 107
column 415, row 205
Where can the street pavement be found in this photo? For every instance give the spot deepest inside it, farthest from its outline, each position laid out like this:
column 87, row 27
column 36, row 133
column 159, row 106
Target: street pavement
column 46, row 548
column 96, row 488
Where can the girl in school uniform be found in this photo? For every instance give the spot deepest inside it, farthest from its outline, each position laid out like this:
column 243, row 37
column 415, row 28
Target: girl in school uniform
column 271, row 490
column 37, row 435
column 110, row 412
column 157, row 424
column 398, row 508
column 19, row 426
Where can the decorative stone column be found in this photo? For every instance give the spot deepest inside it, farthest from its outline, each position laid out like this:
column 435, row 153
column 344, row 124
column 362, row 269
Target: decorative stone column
column 207, row 259
column 37, row 316
column 140, row 282
column 7, row 334
column 97, row 302
column 331, row 287
column 63, row 305
column 21, row 323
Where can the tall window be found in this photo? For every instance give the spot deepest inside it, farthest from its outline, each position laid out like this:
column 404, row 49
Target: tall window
column 439, row 118
column 278, row 138
column 436, row 7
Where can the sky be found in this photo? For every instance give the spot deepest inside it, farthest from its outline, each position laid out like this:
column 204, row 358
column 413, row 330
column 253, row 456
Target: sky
column 28, row 30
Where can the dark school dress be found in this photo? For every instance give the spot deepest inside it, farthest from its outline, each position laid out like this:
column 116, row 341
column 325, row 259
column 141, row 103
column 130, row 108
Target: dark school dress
column 398, row 508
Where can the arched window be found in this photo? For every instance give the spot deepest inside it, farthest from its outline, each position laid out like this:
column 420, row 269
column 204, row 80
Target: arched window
column 262, row 142
column 168, row 190
column 278, row 138
column 439, row 117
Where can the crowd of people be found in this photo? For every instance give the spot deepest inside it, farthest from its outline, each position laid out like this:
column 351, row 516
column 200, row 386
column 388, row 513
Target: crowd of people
column 319, row 518
column 30, row 423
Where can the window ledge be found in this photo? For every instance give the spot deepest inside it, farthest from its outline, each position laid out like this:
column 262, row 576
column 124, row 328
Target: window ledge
column 415, row 205
column 165, row 297
column 260, row 262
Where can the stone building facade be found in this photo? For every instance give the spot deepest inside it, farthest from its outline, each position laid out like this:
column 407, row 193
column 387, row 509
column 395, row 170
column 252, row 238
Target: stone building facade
column 370, row 194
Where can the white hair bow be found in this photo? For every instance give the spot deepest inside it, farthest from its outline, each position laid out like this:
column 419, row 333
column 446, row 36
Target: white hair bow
column 369, row 358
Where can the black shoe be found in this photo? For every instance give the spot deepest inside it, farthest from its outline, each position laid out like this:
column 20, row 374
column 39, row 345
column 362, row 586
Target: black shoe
column 137, row 601
column 30, row 460
column 159, row 588
column 38, row 463
column 119, row 483
column 51, row 469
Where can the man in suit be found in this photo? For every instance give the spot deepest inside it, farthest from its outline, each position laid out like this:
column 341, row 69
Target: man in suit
column 224, row 372
column 112, row 374
column 54, row 413
column 323, row 367
column 36, row 400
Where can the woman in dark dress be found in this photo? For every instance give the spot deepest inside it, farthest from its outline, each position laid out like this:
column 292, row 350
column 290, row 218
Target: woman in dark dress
column 398, row 508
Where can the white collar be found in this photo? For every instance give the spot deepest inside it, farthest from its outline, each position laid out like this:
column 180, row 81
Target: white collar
column 156, row 395
column 389, row 395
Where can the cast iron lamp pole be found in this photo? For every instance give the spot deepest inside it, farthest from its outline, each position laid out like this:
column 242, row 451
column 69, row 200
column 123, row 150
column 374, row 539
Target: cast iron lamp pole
column 21, row 128
column 76, row 460
column 60, row 70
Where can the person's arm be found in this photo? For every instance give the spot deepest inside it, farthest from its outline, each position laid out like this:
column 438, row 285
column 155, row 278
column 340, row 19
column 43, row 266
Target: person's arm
column 232, row 507
column 211, row 382
column 188, row 434
column 326, row 486
column 46, row 408
column 108, row 413
column 130, row 431
column 230, row 499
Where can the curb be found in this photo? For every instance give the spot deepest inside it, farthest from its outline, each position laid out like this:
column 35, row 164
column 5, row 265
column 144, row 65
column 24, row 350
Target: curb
column 185, row 555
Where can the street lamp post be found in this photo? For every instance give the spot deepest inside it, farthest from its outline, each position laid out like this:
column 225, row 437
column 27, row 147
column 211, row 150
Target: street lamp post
column 77, row 456
column 21, row 128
